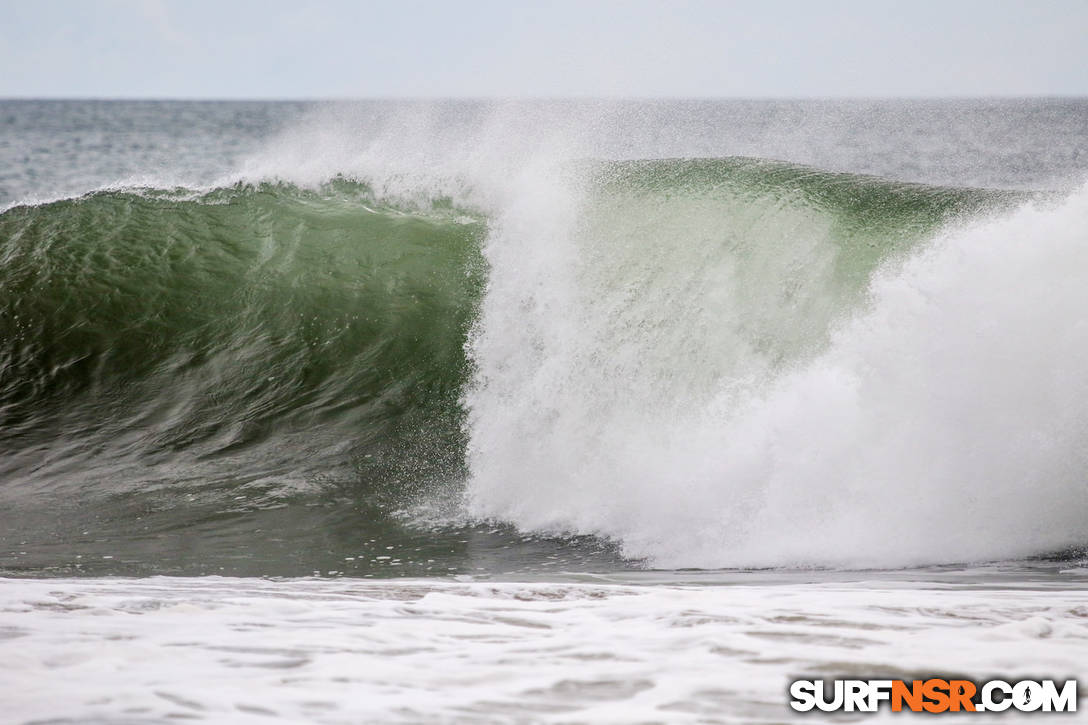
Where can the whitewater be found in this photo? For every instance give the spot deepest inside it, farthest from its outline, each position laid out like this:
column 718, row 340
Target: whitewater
column 536, row 412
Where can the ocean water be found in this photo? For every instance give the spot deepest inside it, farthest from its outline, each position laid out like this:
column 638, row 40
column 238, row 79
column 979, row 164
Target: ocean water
column 536, row 411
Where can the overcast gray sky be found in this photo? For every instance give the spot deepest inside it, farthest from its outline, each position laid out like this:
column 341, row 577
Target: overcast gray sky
column 338, row 48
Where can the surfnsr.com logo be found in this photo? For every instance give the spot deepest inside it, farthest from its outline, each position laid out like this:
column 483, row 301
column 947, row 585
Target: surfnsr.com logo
column 934, row 695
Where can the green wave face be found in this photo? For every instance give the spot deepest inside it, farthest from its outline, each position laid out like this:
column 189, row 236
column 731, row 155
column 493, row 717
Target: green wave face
column 267, row 328
column 183, row 373
column 793, row 248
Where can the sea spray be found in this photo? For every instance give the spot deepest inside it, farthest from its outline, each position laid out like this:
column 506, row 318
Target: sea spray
column 737, row 376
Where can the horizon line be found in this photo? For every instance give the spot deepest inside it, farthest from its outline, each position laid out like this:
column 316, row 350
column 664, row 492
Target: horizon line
column 551, row 98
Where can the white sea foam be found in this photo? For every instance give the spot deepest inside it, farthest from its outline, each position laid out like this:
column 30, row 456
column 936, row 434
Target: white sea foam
column 246, row 650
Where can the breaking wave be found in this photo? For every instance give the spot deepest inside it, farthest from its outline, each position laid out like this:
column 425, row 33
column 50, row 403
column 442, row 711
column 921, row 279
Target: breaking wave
column 714, row 363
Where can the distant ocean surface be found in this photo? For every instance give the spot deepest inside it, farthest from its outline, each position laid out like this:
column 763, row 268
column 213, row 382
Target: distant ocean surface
column 565, row 411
